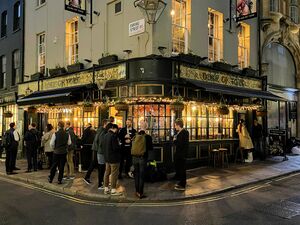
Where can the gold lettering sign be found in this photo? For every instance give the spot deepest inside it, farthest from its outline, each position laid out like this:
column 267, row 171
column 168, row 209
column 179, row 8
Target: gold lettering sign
column 219, row 78
column 114, row 73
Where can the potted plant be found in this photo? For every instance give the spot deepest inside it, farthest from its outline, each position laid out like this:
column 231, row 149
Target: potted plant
column 88, row 106
column 107, row 59
column 248, row 71
column 58, row 70
column 222, row 65
column 191, row 58
column 222, row 110
column 177, row 105
column 7, row 114
column 121, row 105
column 77, row 66
column 36, row 76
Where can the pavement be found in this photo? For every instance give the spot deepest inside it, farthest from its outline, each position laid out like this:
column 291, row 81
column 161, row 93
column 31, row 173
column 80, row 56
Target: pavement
column 201, row 182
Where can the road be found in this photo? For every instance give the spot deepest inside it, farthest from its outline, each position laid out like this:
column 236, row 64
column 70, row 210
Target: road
column 276, row 202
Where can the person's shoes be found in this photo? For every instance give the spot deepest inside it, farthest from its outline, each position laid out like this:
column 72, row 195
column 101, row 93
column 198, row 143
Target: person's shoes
column 28, row 171
column 16, row 168
column 138, row 195
column 106, row 191
column 59, row 182
column 71, row 177
column 179, row 187
column 120, row 177
column 35, row 170
column 130, row 174
column 11, row 173
column 115, row 193
column 49, row 179
column 66, row 178
column 101, row 188
column 87, row 181
column 143, row 196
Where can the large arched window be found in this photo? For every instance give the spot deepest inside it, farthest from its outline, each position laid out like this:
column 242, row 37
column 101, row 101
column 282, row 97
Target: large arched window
column 294, row 11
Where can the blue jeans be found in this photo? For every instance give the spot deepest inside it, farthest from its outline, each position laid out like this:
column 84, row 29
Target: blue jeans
column 139, row 164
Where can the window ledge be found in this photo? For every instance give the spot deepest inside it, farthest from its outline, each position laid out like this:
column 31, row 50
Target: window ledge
column 16, row 30
column 40, row 6
column 1, row 38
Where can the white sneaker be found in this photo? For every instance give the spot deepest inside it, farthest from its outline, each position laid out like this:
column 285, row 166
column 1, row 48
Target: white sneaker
column 101, row 188
column 115, row 193
column 106, row 191
column 130, row 174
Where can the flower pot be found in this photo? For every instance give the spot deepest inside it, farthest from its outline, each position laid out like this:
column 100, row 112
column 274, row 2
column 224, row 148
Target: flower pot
column 36, row 76
column 75, row 67
column 57, row 71
column 88, row 108
column 177, row 106
column 7, row 114
column 108, row 59
column 223, row 110
column 121, row 106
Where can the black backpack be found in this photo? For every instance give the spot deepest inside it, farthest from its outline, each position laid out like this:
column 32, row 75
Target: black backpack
column 7, row 139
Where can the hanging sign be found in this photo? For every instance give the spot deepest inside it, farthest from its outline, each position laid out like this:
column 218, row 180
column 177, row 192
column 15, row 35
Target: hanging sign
column 245, row 9
column 76, row 6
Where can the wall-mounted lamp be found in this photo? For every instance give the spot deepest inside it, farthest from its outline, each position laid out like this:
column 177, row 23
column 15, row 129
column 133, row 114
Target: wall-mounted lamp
column 161, row 49
column 128, row 52
column 82, row 19
column 96, row 13
column 152, row 8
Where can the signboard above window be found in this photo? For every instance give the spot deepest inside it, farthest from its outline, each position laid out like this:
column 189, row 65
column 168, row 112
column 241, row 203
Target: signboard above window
column 76, row 6
column 245, row 9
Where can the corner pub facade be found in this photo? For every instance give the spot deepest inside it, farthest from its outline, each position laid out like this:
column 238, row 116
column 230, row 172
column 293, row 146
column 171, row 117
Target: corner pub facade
column 148, row 88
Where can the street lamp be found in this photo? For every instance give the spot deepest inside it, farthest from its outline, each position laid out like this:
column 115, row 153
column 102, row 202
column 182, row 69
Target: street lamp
column 152, row 8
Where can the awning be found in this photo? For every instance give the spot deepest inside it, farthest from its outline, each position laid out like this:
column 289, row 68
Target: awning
column 237, row 91
column 62, row 95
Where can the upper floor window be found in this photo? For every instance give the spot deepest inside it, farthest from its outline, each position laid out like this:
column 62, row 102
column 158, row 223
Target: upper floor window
column 181, row 25
column 41, row 53
column 4, row 24
column 17, row 15
column 3, row 71
column 244, row 45
column 273, row 5
column 16, row 66
column 72, row 41
column 215, row 35
column 40, row 2
column 294, row 11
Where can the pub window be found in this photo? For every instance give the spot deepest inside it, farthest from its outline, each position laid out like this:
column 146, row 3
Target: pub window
column 181, row 25
column 17, row 16
column 273, row 5
column 244, row 45
column 150, row 90
column 72, row 41
column 40, row 2
column 178, row 91
column 294, row 11
column 110, row 92
column 3, row 71
column 41, row 53
column 123, row 90
column 15, row 67
column 4, row 24
column 118, row 7
column 215, row 35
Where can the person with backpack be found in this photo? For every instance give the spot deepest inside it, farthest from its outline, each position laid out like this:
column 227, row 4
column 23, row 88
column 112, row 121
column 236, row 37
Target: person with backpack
column 11, row 142
column 32, row 143
column 99, row 163
column 125, row 135
column 181, row 141
column 112, row 156
column 59, row 142
column 141, row 145
column 69, row 166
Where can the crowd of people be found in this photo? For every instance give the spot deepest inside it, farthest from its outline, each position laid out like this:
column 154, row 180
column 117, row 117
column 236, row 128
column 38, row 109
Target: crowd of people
column 110, row 150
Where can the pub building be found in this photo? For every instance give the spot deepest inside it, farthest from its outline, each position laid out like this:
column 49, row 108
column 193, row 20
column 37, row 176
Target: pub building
column 210, row 97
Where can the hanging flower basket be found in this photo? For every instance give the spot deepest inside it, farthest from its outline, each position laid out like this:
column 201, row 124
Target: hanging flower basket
column 121, row 106
column 223, row 110
column 8, row 114
column 31, row 110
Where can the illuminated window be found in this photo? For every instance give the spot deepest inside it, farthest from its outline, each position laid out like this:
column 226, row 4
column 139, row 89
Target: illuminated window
column 215, row 35
column 72, row 41
column 294, row 11
column 244, row 45
column 273, row 5
column 15, row 67
column 41, row 53
column 181, row 25
column 3, row 71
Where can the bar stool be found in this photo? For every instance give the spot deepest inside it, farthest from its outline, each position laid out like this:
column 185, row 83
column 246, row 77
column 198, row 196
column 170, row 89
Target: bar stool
column 214, row 155
column 223, row 152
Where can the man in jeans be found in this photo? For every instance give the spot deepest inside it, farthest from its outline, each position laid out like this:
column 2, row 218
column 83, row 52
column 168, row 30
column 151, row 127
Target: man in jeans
column 112, row 156
column 69, row 168
column 140, row 161
column 59, row 142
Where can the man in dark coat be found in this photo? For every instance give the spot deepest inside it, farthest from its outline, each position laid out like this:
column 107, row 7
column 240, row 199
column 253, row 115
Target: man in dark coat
column 257, row 137
column 112, row 156
column 32, row 140
column 87, row 140
column 125, row 135
column 181, row 141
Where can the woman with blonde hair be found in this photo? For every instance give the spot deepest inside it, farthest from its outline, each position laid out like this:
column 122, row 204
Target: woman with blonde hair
column 245, row 140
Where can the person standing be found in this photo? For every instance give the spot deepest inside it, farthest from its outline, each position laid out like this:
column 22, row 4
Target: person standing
column 125, row 136
column 11, row 144
column 141, row 145
column 245, row 140
column 59, row 142
column 32, row 142
column 112, row 156
column 46, row 144
column 257, row 134
column 87, row 140
column 69, row 167
column 181, row 141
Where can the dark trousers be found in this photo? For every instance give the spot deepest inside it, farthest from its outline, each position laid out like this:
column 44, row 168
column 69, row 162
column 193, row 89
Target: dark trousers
column 180, row 169
column 8, row 161
column 125, row 156
column 101, row 172
column 139, row 164
column 50, row 158
column 31, row 154
column 101, row 169
column 58, row 160
column 14, row 156
column 258, row 146
column 86, row 156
